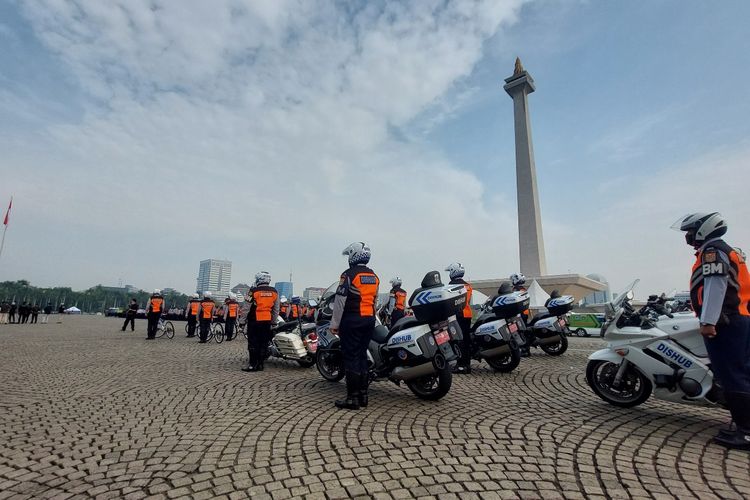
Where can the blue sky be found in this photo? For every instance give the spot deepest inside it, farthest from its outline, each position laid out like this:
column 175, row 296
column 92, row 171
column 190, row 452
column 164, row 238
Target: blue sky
column 139, row 141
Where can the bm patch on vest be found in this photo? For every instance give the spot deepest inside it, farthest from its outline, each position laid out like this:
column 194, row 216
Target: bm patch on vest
column 709, row 257
column 716, row 268
column 368, row 280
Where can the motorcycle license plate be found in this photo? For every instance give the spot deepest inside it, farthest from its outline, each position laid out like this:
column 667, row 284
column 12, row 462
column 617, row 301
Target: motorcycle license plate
column 512, row 327
column 442, row 337
column 561, row 323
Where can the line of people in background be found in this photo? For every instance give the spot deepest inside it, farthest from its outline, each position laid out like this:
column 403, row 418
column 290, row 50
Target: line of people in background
column 25, row 313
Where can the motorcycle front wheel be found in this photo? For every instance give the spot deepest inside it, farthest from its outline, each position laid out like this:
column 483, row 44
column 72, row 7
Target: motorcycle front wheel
column 507, row 362
column 557, row 348
column 330, row 365
column 432, row 387
column 634, row 387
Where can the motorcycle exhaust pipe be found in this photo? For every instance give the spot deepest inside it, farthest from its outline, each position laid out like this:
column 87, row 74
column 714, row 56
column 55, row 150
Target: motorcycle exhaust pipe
column 495, row 351
column 549, row 340
column 412, row 372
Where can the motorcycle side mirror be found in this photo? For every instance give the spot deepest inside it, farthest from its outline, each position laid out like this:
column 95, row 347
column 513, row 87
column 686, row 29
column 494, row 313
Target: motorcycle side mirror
column 630, row 295
column 312, row 303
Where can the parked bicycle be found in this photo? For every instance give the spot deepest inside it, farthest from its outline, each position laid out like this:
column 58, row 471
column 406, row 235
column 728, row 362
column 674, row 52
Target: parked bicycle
column 215, row 332
column 165, row 328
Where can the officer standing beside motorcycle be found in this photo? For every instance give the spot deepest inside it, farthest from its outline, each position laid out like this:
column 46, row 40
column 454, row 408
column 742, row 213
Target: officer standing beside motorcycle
column 205, row 315
column 191, row 311
column 231, row 310
column 353, row 320
column 396, row 301
column 264, row 309
column 456, row 273
column 153, row 312
column 518, row 281
column 720, row 294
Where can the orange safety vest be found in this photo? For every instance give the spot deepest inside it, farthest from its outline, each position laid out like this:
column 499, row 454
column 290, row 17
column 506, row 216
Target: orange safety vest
column 232, row 309
column 708, row 263
column 194, row 305
column 362, row 299
column 467, row 307
column 156, row 304
column 207, row 308
column 294, row 311
column 265, row 298
column 400, row 296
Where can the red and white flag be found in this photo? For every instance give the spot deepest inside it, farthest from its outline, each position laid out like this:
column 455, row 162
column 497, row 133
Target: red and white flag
column 7, row 213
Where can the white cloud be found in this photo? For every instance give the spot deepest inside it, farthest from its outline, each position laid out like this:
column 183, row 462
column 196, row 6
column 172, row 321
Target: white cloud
column 247, row 122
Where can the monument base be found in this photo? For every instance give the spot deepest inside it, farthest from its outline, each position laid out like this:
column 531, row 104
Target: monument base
column 577, row 285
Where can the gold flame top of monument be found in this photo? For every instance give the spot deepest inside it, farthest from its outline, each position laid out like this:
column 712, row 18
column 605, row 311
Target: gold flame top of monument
column 519, row 67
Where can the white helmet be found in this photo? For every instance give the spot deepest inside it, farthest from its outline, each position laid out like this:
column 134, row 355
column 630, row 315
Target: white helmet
column 517, row 279
column 232, row 296
column 701, row 226
column 456, row 270
column 283, row 300
column 262, row 278
column 207, row 295
column 157, row 291
column 358, row 253
column 396, row 281
column 194, row 296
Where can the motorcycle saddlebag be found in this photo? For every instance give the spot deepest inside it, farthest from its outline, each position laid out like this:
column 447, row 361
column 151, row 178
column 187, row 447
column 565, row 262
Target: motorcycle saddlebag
column 435, row 304
column 560, row 306
column 512, row 304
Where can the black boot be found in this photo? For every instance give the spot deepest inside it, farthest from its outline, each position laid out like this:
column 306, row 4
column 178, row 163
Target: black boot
column 252, row 362
column 352, row 393
column 739, row 406
column 364, row 384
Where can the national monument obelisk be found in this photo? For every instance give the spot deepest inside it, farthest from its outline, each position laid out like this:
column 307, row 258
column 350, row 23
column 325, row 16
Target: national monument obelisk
column 530, row 237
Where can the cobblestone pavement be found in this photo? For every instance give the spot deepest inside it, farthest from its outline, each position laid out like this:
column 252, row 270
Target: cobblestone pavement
column 89, row 411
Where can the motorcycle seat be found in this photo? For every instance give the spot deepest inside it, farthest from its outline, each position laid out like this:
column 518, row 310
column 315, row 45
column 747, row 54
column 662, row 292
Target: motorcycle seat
column 539, row 317
column 380, row 335
column 403, row 323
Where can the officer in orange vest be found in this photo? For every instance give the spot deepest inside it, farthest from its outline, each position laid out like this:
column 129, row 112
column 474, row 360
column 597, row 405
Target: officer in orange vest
column 295, row 309
column 396, row 301
column 353, row 319
column 191, row 311
column 284, row 308
column 231, row 311
column 154, row 310
column 456, row 273
column 205, row 315
column 264, row 309
column 720, row 294
column 518, row 280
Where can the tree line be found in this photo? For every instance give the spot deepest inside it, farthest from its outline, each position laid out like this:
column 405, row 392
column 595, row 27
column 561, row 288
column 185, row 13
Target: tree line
column 95, row 299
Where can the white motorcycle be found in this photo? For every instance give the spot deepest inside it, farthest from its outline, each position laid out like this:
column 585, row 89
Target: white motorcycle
column 651, row 350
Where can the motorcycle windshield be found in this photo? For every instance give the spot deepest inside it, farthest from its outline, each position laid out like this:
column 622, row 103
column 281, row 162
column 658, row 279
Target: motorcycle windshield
column 616, row 304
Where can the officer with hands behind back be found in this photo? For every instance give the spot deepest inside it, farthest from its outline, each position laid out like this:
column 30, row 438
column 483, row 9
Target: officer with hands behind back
column 396, row 301
column 205, row 315
column 191, row 311
column 720, row 293
column 264, row 309
column 353, row 320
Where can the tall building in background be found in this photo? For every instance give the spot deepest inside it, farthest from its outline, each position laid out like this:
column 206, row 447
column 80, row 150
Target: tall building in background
column 214, row 276
column 313, row 292
column 285, row 288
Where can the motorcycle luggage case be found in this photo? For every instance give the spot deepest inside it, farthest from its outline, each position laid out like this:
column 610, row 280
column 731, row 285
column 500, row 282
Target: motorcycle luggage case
column 512, row 304
column 438, row 303
column 560, row 306
column 290, row 345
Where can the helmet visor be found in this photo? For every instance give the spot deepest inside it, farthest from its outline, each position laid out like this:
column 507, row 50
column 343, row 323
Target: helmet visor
column 678, row 224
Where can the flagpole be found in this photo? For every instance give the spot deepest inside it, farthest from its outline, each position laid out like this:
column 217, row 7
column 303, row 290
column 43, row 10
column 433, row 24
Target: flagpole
column 2, row 243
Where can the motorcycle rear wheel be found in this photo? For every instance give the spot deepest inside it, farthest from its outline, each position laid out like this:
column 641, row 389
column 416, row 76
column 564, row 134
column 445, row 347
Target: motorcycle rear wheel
column 506, row 363
column 432, row 387
column 330, row 364
column 635, row 387
column 557, row 348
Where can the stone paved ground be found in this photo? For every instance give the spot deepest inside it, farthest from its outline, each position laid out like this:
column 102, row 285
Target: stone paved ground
column 88, row 411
